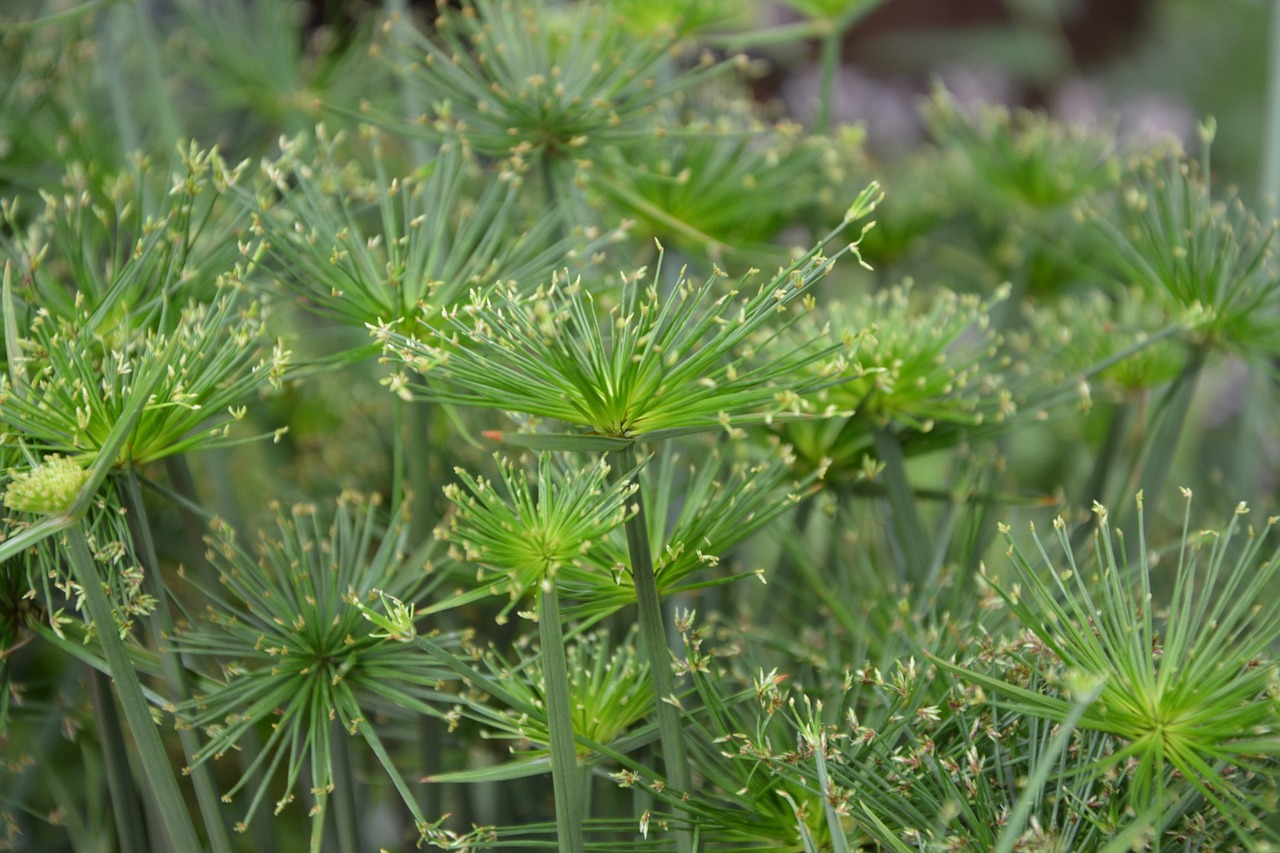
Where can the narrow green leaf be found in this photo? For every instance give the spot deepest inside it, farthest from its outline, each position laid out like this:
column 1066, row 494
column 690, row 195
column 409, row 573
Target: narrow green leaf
column 561, row 441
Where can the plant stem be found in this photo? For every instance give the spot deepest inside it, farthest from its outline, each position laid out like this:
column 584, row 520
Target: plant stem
column 412, row 457
column 555, row 205
column 917, row 553
column 832, row 41
column 653, row 643
column 116, row 77
column 151, row 752
column 125, row 806
column 345, row 811
column 417, row 452
column 157, row 97
column 184, row 485
column 1104, row 466
column 1161, row 444
column 412, row 475
column 564, row 754
column 410, row 105
column 171, row 665
column 1271, row 129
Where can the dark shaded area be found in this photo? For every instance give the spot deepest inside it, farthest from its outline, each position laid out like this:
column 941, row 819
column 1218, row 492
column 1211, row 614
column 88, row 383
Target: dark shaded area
column 1096, row 30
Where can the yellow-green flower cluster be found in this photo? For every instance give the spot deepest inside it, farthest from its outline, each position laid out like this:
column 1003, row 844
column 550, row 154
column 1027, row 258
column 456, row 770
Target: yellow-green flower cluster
column 47, row 489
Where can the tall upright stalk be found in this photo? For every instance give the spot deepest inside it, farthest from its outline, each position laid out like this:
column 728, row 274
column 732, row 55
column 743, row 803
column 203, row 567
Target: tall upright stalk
column 125, row 805
column 412, row 462
column 653, row 641
column 564, row 754
column 137, row 713
column 917, row 553
column 156, row 95
column 832, row 41
column 1271, row 130
column 1105, row 464
column 343, row 797
column 1161, row 442
column 171, row 665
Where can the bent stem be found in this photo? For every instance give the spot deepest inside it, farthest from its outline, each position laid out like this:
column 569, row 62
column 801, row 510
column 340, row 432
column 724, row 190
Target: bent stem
column 653, row 642
column 564, row 754
column 155, row 763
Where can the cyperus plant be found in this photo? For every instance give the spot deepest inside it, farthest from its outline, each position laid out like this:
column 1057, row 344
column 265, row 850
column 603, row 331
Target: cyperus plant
column 292, row 645
column 1087, row 318
column 1184, row 687
column 656, row 367
column 529, row 536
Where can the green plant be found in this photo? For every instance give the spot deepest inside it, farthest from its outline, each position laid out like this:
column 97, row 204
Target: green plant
column 199, row 320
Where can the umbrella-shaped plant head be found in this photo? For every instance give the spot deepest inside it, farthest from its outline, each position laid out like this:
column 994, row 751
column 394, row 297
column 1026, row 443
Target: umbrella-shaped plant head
column 361, row 244
column 529, row 80
column 143, row 287
column 292, row 649
column 653, row 365
column 1182, row 686
column 523, row 535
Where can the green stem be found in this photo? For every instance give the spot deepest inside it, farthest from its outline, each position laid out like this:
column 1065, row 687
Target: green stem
column 117, row 82
column 1161, row 444
column 410, row 104
column 398, row 440
column 158, row 98
column 555, row 205
column 184, row 486
column 175, row 678
column 125, row 806
column 417, row 462
column 343, row 797
column 832, row 41
column 564, row 754
column 1271, row 130
column 913, row 542
column 151, row 752
column 1104, row 466
column 653, row 642
column 412, row 474
column 585, row 778
column 1252, row 424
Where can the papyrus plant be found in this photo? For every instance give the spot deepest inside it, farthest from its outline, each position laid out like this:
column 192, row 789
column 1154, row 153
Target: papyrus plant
column 291, row 646
column 527, row 536
column 1177, row 659
column 653, row 367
